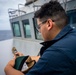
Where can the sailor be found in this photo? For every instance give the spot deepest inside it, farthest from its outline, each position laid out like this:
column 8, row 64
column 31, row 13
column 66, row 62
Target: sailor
column 58, row 54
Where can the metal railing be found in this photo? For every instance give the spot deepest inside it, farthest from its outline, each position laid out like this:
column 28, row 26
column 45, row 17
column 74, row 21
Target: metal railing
column 16, row 12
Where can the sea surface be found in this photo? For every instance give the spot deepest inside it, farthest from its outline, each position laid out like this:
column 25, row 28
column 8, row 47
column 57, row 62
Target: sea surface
column 5, row 34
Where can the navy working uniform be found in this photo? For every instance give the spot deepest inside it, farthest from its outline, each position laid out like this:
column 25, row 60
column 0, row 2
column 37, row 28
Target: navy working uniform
column 58, row 57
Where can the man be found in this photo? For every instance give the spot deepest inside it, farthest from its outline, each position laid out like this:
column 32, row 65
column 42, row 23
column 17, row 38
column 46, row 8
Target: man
column 58, row 54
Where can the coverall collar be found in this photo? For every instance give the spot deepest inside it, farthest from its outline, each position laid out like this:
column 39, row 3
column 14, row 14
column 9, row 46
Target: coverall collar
column 62, row 33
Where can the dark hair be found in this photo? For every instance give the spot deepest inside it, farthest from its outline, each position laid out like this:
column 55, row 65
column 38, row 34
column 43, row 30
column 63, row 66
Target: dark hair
column 54, row 11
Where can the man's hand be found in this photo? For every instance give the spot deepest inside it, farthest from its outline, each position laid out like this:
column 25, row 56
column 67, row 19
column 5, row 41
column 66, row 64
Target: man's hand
column 18, row 54
column 9, row 70
column 11, row 62
column 36, row 58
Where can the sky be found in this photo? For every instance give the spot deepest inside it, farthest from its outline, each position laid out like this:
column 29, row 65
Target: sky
column 4, row 17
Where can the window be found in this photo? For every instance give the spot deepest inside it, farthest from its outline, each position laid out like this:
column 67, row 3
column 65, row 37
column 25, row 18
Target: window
column 26, row 26
column 74, row 20
column 16, row 29
column 37, row 33
column 68, row 19
column 72, row 17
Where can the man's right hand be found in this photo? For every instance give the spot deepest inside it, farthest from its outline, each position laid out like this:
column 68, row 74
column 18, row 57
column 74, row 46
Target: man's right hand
column 19, row 54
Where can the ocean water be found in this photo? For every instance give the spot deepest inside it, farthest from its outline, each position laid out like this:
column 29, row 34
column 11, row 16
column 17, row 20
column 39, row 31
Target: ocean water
column 5, row 34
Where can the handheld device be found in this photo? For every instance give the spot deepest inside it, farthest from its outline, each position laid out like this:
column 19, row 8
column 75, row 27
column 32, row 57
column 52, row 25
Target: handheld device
column 14, row 51
column 20, row 62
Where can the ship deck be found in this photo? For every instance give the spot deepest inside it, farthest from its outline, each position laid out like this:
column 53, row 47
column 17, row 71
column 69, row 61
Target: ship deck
column 27, row 47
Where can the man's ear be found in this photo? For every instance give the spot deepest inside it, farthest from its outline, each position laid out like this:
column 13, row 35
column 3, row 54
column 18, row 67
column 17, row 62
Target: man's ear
column 50, row 24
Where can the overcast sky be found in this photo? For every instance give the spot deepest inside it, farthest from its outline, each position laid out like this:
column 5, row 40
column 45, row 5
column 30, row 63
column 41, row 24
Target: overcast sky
column 4, row 6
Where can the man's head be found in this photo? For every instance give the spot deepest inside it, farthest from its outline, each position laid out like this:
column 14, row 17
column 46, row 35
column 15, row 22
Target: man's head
column 51, row 17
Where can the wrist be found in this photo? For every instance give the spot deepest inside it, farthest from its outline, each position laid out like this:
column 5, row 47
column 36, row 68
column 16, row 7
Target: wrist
column 36, row 58
column 7, row 67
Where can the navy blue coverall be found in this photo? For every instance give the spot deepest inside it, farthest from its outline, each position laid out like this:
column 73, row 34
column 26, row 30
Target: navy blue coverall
column 58, row 56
